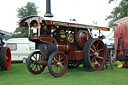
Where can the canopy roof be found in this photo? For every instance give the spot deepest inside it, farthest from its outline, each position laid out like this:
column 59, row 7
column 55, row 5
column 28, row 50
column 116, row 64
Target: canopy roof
column 26, row 21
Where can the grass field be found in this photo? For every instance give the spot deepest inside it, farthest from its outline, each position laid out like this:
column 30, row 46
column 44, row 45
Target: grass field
column 19, row 75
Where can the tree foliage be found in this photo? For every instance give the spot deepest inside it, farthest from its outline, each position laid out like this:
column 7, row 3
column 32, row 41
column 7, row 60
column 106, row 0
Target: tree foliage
column 20, row 32
column 24, row 11
column 111, row 1
column 118, row 12
column 28, row 10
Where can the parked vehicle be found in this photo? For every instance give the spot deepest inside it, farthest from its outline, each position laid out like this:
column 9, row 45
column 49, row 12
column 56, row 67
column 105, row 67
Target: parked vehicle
column 62, row 45
column 5, row 55
column 20, row 48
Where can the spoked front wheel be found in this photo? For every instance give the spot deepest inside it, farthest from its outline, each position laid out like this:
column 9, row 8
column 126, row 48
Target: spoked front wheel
column 34, row 62
column 57, row 64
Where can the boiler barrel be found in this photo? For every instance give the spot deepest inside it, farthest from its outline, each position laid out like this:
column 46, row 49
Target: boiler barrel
column 46, row 48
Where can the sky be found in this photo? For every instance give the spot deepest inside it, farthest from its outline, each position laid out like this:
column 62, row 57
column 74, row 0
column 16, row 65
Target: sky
column 84, row 11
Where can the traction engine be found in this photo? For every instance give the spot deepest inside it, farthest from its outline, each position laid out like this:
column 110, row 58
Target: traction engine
column 63, row 45
column 5, row 55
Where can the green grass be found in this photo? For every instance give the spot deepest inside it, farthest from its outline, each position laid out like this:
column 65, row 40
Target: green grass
column 19, row 75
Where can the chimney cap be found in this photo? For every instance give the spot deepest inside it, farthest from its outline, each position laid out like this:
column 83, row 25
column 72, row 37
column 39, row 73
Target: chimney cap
column 48, row 15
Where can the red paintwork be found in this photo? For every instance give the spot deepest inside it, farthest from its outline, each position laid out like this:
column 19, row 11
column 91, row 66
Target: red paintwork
column 71, row 55
column 61, row 46
column 75, row 25
column 66, row 39
column 47, row 40
column 121, row 28
column 8, row 58
column 39, row 19
column 79, row 54
column 28, row 20
column 82, row 36
column 75, row 55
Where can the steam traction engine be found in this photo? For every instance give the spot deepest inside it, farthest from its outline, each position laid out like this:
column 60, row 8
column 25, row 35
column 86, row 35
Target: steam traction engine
column 63, row 45
column 5, row 55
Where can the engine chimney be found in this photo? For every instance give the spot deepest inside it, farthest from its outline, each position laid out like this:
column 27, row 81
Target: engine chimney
column 48, row 9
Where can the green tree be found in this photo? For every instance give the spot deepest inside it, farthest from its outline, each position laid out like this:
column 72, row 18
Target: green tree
column 111, row 1
column 20, row 32
column 118, row 12
column 28, row 10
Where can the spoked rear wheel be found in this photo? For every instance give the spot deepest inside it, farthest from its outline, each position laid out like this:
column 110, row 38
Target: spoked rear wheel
column 34, row 62
column 5, row 58
column 94, row 54
column 57, row 63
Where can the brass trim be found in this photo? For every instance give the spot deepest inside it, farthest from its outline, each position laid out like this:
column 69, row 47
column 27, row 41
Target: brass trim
column 70, row 38
column 29, row 28
column 53, row 39
column 39, row 29
column 57, row 47
column 81, row 34
column 67, row 47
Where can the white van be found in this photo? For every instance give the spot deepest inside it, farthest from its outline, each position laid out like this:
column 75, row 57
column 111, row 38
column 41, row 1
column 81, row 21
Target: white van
column 20, row 48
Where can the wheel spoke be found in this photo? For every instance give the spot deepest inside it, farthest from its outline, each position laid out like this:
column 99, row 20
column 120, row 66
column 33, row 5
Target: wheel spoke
column 91, row 54
column 6, row 57
column 57, row 70
column 100, row 57
column 7, row 64
column 97, row 63
column 97, row 45
column 94, row 47
column 8, row 52
column 61, row 68
column 59, row 58
column 40, row 57
column 32, row 66
column 100, row 49
column 54, row 67
column 92, row 50
column 35, row 57
column 62, row 62
column 39, row 66
column 55, row 59
column 35, row 68
column 32, row 61
column 92, row 59
column 93, row 63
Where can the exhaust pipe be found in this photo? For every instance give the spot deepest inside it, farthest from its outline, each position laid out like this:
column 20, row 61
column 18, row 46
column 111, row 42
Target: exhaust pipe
column 48, row 9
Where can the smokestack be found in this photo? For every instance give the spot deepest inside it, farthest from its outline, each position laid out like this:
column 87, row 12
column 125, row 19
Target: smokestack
column 48, row 9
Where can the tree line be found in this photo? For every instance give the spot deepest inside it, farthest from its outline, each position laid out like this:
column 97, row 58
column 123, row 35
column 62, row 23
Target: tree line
column 24, row 11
